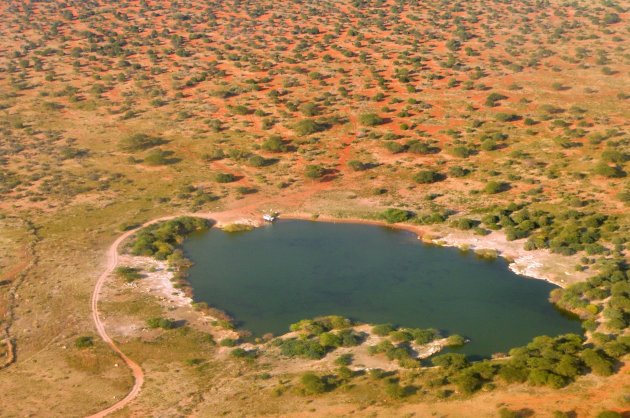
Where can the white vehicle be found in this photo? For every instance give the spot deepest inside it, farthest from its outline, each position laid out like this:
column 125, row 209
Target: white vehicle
column 269, row 217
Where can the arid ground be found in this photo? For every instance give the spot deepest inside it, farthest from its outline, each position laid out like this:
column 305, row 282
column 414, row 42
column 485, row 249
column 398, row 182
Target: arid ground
column 482, row 123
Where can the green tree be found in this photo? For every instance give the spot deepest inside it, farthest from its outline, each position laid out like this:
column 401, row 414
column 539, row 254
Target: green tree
column 597, row 362
column 328, row 339
column 312, row 383
column 466, row 382
column 275, row 144
column 307, row 127
column 382, row 329
column 394, row 390
column 158, row 322
column 139, row 142
column 129, row 274
column 370, row 119
column 493, row 187
column 393, row 215
column 344, row 359
column 314, row 172
column 493, row 98
column 427, row 176
column 84, row 342
column 450, row 361
column 157, row 157
column 224, row 178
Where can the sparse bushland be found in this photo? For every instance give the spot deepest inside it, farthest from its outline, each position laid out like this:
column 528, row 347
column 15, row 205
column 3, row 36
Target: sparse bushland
column 86, row 87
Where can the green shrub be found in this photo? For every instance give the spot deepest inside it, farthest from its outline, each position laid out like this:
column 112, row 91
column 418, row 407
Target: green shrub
column 228, row 342
column 393, row 215
column 349, row 338
column 241, row 110
column 357, row 165
column 244, row 354
column 224, row 178
column 417, row 147
column 606, row 170
column 157, row 157
column 507, row 413
column 275, row 144
column 257, row 161
column 455, row 341
column 307, row 127
column 314, row 172
column 493, row 187
column 84, row 342
column 344, row 360
column 611, row 18
column 382, row 329
column 400, row 336
column 394, row 390
column 394, row 147
column 597, row 362
column 128, row 274
column 461, row 151
column 328, row 339
column 301, row 348
column 160, row 240
column 370, row 119
column 466, row 382
column 427, row 176
column 312, row 383
column 512, row 373
column 457, row 171
column 159, row 322
column 506, row 117
column 493, row 98
column 139, row 142
column 464, row 224
column 424, row 336
column 344, row 373
column 450, row 361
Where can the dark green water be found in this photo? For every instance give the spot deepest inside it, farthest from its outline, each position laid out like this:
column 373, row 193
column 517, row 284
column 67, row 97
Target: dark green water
column 278, row 274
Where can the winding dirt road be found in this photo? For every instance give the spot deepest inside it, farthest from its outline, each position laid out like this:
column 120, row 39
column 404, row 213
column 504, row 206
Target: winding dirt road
column 112, row 262
column 138, row 375
column 136, row 370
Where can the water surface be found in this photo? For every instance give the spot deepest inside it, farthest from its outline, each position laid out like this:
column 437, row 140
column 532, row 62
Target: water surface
column 278, row 274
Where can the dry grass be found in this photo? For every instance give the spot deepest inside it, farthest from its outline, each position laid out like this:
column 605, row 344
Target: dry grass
column 78, row 188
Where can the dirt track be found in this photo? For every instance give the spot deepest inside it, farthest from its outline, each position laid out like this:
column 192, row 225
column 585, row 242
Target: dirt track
column 138, row 374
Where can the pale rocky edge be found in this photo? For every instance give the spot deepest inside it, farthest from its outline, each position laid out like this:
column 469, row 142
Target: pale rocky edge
column 157, row 280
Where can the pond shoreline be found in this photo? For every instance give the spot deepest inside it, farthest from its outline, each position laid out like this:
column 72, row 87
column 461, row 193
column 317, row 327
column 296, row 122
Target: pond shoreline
column 519, row 261
column 523, row 263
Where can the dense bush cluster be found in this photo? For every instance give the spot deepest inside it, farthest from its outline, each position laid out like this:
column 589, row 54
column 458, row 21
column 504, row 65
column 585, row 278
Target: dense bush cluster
column 398, row 344
column 417, row 335
column 566, row 232
column 160, row 240
column 555, row 362
column 128, row 274
column 318, row 337
column 607, row 293
column 159, row 322
column 393, row 215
